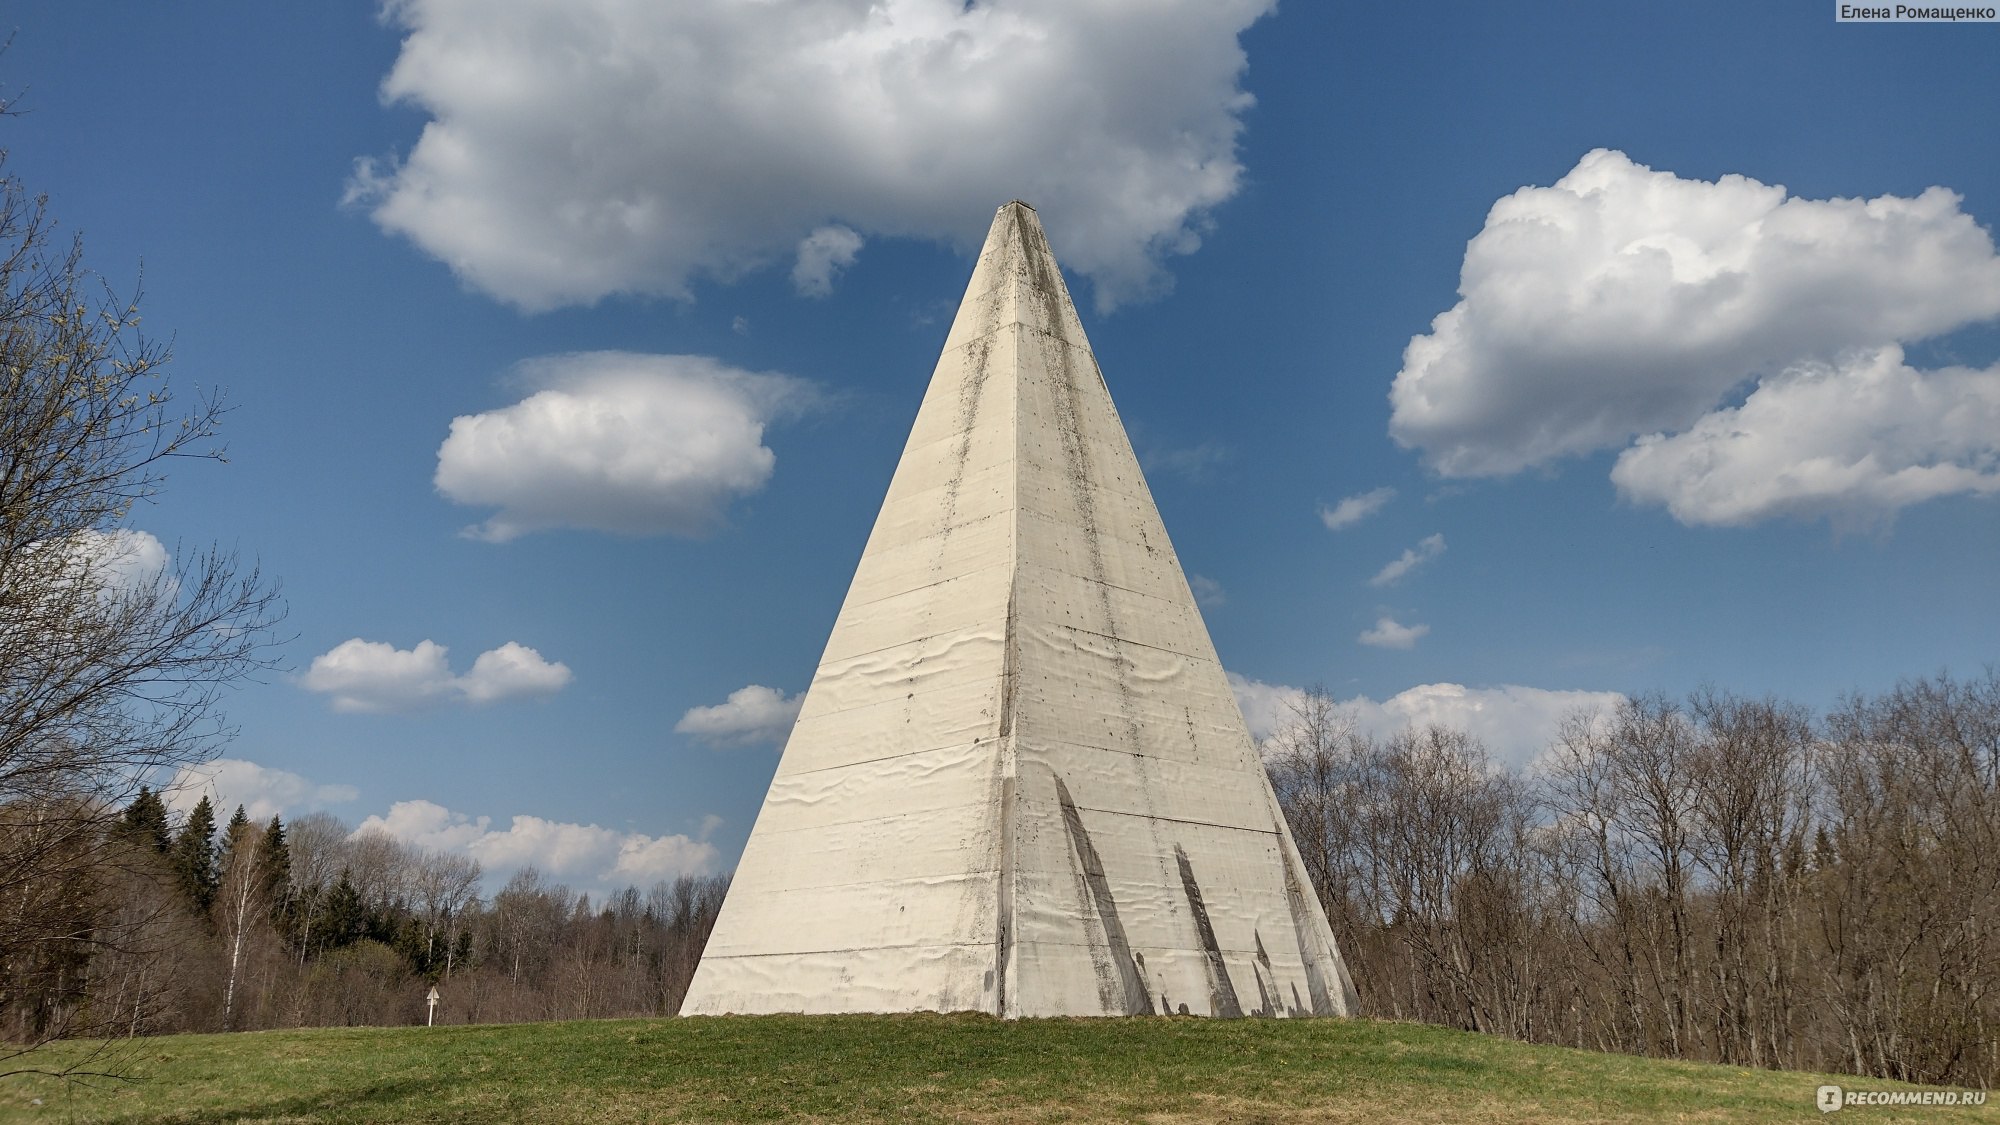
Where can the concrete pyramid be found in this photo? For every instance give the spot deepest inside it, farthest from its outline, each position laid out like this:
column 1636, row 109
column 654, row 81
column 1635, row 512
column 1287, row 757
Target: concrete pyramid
column 1019, row 783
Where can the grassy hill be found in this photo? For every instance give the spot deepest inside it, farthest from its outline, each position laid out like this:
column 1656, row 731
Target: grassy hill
column 913, row 1068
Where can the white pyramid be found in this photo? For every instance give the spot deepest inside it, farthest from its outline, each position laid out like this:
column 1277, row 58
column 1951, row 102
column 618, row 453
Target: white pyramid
column 1019, row 783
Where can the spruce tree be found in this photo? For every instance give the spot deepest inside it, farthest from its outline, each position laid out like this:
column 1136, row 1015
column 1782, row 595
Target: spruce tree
column 194, row 857
column 235, row 837
column 145, row 821
column 277, row 871
column 346, row 916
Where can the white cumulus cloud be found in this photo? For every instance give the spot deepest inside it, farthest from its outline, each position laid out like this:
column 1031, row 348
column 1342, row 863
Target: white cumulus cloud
column 510, row 671
column 1624, row 302
column 1265, row 707
column 1413, row 557
column 124, row 558
column 1516, row 723
column 364, row 675
column 1353, row 509
column 752, row 714
column 583, row 853
column 581, row 148
column 1388, row 633
column 614, row 441
column 1851, row 441
column 263, row 792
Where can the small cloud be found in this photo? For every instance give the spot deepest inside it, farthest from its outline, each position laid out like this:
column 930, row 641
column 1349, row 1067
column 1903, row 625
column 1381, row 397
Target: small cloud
column 1409, row 560
column 1195, row 464
column 130, row 559
column 619, row 442
column 740, row 326
column 1354, row 509
column 372, row 676
column 1207, row 591
column 823, row 254
column 262, row 791
column 753, row 714
column 1387, row 633
column 122, row 562
column 512, row 671
column 1853, row 442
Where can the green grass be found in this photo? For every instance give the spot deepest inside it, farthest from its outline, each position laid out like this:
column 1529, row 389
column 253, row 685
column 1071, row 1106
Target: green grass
column 911, row 1068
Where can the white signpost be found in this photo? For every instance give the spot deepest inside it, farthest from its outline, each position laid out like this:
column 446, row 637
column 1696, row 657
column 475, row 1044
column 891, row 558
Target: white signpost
column 430, row 1015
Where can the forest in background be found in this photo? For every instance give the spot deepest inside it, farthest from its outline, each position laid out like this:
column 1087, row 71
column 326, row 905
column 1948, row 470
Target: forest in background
column 177, row 926
column 1718, row 878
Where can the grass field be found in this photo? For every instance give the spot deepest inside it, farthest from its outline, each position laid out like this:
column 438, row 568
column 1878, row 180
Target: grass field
column 913, row 1068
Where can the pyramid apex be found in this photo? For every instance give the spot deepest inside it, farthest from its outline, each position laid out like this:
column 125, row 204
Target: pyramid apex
column 1022, row 203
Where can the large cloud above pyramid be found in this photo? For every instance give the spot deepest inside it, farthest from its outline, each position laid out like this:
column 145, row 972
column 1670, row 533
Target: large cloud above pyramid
column 1742, row 347
column 582, row 148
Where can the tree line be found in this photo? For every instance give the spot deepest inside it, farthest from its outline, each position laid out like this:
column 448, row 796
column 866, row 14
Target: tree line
column 191, row 928
column 1716, row 878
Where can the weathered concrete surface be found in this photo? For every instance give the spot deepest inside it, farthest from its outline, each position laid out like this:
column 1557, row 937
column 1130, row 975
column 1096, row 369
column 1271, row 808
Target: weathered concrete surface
column 1019, row 783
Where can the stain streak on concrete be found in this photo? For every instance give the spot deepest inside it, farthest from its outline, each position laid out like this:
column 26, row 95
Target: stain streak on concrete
column 1221, row 993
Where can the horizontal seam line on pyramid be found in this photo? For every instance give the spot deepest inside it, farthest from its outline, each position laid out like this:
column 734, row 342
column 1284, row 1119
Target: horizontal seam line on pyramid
column 1130, row 641
column 947, row 875
column 910, row 814
column 1101, row 581
column 898, row 644
column 1011, row 462
column 1057, row 624
column 951, row 438
column 998, row 513
column 968, row 804
column 887, row 758
column 818, row 715
column 982, row 804
column 1014, row 508
column 1272, row 831
column 1017, row 322
column 864, row 949
column 1058, row 739
column 914, row 589
column 1103, row 489
column 1250, row 951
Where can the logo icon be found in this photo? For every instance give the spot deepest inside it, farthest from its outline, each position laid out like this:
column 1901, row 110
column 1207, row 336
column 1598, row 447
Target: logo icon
column 1829, row 1099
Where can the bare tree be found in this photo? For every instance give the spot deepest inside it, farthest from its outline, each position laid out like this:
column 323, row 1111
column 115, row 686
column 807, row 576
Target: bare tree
column 111, row 663
column 319, row 854
column 444, row 885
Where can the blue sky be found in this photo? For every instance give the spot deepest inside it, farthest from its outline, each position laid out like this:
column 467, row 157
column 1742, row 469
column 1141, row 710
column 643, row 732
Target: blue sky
column 1684, row 428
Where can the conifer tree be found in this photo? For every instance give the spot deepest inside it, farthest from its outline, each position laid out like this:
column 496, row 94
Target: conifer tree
column 277, row 869
column 194, row 857
column 346, row 916
column 146, row 822
column 236, row 838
